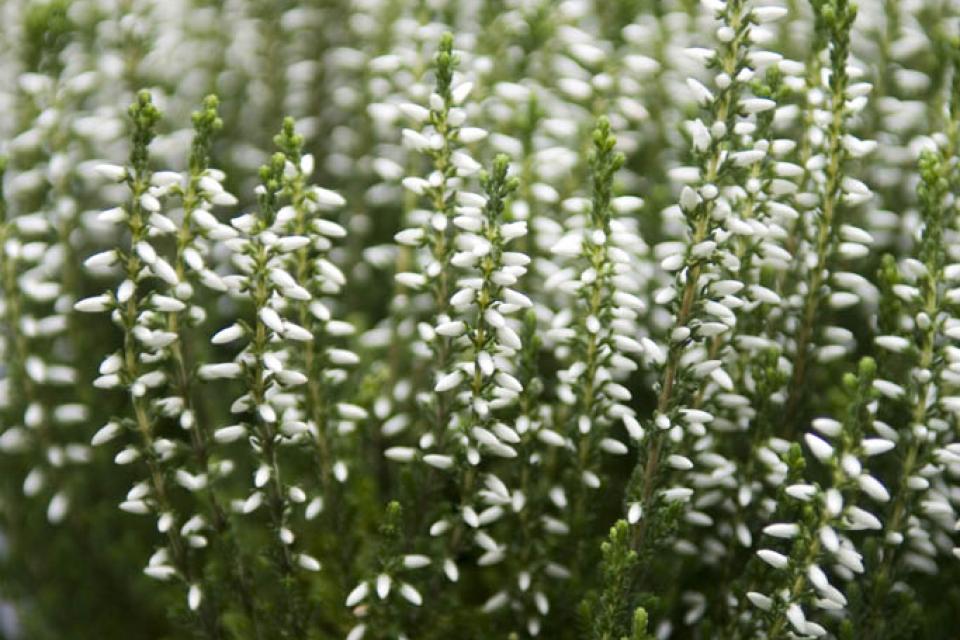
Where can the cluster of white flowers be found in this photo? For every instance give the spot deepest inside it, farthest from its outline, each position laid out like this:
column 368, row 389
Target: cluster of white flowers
column 260, row 252
column 144, row 366
column 801, row 580
column 593, row 327
column 46, row 401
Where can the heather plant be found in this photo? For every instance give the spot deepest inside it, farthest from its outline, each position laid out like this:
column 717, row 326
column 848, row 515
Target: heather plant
column 493, row 318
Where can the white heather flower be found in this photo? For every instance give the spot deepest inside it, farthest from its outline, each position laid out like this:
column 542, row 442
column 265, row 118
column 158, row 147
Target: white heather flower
column 358, row 594
column 307, row 562
column 438, row 461
column 410, row 594
column 796, row 618
column 699, row 134
column 57, row 508
column 194, row 597
column 802, row 492
column 224, row 370
column 762, row 602
column 228, row 334
column 113, row 172
column 818, row 447
column 328, row 198
column 461, row 91
column 225, row 435
column 451, row 329
column 782, row 530
column 773, row 558
column 357, row 632
column 700, row 93
column 449, row 381
column 768, row 14
column 876, row 446
column 271, row 319
column 101, row 260
column 689, row 199
column 383, row 584
column 411, row 280
column 873, row 488
column 465, row 164
column 416, row 561
column 757, row 105
column 827, row 426
column 105, row 434
column 400, row 454
column 95, row 304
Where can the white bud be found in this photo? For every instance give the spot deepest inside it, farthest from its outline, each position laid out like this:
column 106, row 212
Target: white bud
column 105, row 434
column 819, row 447
column 773, row 558
column 113, row 172
column 225, row 435
column 307, row 562
column 449, row 381
column 876, row 446
column 461, row 91
column 400, row 454
column 411, row 595
column 220, row 371
column 689, row 199
column 451, row 329
column 96, row 304
column 383, row 585
column 194, row 597
column 229, row 334
column 327, row 198
column 101, row 260
column 470, row 135
column 782, row 530
column 357, row 595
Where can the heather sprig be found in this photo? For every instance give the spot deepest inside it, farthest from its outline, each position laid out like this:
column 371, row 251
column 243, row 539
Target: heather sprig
column 485, row 346
column 696, row 320
column 829, row 238
column 138, row 312
column 613, row 615
column 272, row 382
column 817, row 516
column 430, row 248
column 602, row 349
column 374, row 600
column 920, row 345
column 199, row 191
column 324, row 363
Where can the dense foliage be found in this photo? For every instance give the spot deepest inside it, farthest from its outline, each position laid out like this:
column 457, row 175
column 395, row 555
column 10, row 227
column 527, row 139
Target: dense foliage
column 479, row 319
